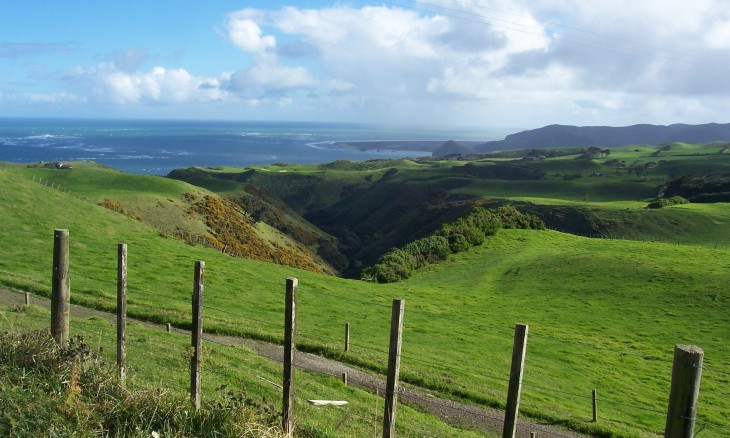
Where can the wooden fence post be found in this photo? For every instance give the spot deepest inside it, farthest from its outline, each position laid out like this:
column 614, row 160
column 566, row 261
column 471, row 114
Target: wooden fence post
column 686, row 376
column 515, row 381
column 290, row 333
column 347, row 337
column 391, row 386
column 594, row 396
column 61, row 289
column 27, row 298
column 121, row 309
column 197, row 333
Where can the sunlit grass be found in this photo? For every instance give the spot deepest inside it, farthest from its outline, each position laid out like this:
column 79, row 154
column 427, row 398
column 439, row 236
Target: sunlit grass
column 159, row 361
column 603, row 314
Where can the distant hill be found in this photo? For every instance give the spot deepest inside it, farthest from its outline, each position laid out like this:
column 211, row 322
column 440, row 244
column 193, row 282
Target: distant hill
column 451, row 148
column 607, row 136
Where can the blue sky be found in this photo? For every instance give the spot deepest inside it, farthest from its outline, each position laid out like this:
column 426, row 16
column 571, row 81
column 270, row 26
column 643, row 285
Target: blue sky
column 496, row 63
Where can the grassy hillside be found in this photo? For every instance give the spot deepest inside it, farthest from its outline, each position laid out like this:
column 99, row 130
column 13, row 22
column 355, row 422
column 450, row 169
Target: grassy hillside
column 237, row 400
column 374, row 206
column 75, row 392
column 603, row 314
column 242, row 297
column 177, row 209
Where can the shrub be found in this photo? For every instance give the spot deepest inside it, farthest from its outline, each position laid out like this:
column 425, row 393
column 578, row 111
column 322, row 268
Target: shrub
column 457, row 241
column 111, row 205
column 234, row 229
column 464, row 233
column 666, row 202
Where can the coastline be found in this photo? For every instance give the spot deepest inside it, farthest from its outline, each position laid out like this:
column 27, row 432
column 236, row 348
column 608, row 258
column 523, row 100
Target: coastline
column 157, row 147
column 420, row 146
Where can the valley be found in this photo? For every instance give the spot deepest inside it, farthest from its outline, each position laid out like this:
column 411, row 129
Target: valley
column 607, row 289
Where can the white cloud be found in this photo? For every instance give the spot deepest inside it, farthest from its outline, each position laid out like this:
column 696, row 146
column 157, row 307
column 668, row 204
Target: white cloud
column 595, row 57
column 266, row 72
column 529, row 87
column 265, row 79
column 379, row 31
column 717, row 35
column 243, row 31
column 511, row 62
column 109, row 84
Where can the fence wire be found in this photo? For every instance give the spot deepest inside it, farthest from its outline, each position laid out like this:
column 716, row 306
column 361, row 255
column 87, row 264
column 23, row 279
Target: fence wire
column 461, row 324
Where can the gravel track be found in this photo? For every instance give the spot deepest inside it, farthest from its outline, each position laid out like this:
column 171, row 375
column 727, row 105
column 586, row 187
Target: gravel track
column 449, row 411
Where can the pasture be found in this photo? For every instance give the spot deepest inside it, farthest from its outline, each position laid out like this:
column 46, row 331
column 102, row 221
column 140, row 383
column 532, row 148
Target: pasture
column 603, row 314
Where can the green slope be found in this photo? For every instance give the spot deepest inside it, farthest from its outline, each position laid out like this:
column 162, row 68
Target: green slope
column 175, row 208
column 603, row 314
column 158, row 372
column 372, row 207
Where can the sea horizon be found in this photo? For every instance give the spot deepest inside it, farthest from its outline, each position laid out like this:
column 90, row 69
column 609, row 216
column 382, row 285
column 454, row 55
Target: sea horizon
column 156, row 147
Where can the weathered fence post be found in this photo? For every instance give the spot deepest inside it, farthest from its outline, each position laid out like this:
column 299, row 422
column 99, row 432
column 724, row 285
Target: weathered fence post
column 686, row 376
column 61, row 289
column 515, row 381
column 197, row 333
column 168, row 327
column 290, row 332
column 347, row 336
column 391, row 385
column 344, row 378
column 27, row 298
column 121, row 309
column 594, row 396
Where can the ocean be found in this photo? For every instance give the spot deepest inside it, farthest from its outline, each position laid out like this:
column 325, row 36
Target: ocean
column 157, row 147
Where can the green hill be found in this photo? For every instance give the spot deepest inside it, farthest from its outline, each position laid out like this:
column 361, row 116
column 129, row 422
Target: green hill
column 594, row 304
column 603, row 314
column 178, row 210
column 377, row 205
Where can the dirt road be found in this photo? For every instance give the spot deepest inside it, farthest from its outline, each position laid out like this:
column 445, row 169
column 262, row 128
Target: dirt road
column 449, row 411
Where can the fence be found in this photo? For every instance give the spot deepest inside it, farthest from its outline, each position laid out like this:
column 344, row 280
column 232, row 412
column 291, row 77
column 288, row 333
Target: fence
column 680, row 415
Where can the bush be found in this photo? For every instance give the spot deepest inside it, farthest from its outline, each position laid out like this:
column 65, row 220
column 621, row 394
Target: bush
column 461, row 235
column 666, row 202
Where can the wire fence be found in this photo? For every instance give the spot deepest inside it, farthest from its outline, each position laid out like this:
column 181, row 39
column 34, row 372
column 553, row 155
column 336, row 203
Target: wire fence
column 108, row 353
column 371, row 346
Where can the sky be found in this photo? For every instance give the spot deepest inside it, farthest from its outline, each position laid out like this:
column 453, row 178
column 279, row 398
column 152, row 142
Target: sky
column 446, row 63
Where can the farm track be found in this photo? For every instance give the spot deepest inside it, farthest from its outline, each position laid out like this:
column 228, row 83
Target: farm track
column 452, row 412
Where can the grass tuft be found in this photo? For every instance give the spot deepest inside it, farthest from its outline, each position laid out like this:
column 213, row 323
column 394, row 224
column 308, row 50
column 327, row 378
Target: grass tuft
column 49, row 391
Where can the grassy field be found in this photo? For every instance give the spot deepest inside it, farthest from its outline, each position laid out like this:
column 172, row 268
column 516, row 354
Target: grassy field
column 603, row 314
column 159, row 360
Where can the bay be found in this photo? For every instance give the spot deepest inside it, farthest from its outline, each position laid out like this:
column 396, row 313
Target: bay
column 159, row 146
